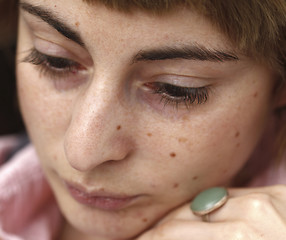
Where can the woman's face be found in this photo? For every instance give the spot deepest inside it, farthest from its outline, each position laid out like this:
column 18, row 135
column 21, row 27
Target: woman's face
column 133, row 114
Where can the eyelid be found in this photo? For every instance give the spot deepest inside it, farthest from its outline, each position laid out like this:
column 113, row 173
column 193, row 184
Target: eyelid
column 65, row 74
column 181, row 80
column 53, row 49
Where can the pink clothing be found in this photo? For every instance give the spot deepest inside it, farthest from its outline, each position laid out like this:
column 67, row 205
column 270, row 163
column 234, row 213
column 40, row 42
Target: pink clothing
column 273, row 176
column 28, row 210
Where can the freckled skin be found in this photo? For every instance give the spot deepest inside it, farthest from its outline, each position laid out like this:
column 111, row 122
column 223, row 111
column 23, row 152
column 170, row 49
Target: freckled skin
column 80, row 125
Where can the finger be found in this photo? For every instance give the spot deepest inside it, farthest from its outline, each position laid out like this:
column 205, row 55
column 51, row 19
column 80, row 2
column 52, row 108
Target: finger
column 182, row 229
column 249, row 208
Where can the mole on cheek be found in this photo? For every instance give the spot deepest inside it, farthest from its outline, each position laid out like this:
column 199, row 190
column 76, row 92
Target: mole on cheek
column 149, row 134
column 237, row 134
column 255, row 95
column 77, row 24
column 175, row 185
column 118, row 127
column 195, row 178
column 144, row 220
column 172, row 154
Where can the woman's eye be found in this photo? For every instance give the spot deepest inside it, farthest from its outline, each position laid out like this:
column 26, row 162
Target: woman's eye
column 54, row 67
column 175, row 95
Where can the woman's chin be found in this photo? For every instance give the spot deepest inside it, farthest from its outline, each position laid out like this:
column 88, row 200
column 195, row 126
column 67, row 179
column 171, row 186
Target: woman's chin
column 82, row 220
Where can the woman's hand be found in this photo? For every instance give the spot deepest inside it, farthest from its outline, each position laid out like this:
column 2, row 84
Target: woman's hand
column 250, row 213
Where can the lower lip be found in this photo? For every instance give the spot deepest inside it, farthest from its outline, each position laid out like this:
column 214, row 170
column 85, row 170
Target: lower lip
column 100, row 202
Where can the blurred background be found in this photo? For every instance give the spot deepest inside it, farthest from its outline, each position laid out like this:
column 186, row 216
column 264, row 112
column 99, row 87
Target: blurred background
column 10, row 120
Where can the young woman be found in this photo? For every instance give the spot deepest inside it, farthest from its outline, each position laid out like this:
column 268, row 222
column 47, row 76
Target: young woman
column 134, row 107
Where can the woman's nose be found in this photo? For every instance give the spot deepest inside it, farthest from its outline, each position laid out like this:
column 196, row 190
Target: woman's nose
column 98, row 131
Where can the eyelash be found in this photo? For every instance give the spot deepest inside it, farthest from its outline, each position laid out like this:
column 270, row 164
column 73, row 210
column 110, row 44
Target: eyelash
column 53, row 67
column 174, row 95
column 58, row 68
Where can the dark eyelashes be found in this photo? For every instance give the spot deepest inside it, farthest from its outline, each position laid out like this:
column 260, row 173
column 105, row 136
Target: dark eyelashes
column 189, row 94
column 34, row 57
column 171, row 94
column 55, row 66
column 37, row 58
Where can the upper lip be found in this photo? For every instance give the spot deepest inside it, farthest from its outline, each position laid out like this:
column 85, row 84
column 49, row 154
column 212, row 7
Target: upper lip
column 101, row 192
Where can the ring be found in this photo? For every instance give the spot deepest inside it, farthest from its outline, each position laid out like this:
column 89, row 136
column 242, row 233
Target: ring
column 208, row 201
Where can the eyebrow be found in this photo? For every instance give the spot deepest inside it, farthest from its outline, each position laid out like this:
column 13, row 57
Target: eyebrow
column 188, row 52
column 48, row 17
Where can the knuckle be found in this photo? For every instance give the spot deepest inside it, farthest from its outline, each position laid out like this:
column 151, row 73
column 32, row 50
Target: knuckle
column 258, row 205
column 258, row 201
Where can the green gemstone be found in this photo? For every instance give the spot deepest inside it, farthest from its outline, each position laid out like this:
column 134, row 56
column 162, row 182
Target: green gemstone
column 207, row 199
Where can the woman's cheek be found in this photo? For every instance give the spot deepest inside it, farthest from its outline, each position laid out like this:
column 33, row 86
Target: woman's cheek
column 46, row 113
column 218, row 145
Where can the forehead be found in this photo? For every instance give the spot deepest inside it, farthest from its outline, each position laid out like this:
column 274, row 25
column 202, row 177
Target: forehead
column 95, row 20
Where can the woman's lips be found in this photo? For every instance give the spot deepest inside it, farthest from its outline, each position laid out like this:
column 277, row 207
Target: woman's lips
column 100, row 200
